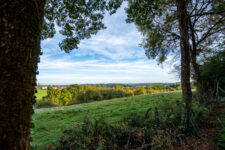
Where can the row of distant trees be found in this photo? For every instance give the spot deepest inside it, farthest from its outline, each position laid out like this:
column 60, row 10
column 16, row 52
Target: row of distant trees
column 75, row 94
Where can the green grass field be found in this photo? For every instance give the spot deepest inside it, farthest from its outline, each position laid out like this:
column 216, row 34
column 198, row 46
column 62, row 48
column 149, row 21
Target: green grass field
column 40, row 94
column 50, row 122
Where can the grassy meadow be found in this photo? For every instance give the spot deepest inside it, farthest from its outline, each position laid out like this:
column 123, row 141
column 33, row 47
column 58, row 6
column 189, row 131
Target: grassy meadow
column 50, row 122
column 40, row 94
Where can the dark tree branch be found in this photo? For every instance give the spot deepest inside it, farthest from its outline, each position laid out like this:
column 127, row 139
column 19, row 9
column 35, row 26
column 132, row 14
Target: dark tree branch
column 193, row 39
column 195, row 7
column 208, row 13
column 209, row 33
column 174, row 34
column 201, row 10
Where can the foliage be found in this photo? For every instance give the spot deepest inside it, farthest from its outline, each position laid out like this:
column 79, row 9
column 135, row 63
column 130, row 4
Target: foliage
column 77, row 19
column 50, row 122
column 221, row 138
column 140, row 91
column 158, row 22
column 200, row 114
column 212, row 74
column 158, row 128
column 89, row 135
column 194, row 28
column 137, row 131
column 214, row 67
column 75, row 94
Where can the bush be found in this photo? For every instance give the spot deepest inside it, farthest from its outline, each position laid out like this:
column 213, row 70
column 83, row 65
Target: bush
column 200, row 113
column 97, row 135
column 133, row 134
column 159, row 128
column 212, row 76
column 221, row 138
column 156, row 129
column 75, row 94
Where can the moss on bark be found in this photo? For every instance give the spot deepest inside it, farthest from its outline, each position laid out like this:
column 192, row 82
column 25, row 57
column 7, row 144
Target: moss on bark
column 20, row 30
column 185, row 62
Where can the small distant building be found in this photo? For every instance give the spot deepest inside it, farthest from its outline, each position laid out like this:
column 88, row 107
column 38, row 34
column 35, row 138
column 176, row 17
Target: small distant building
column 44, row 87
column 61, row 87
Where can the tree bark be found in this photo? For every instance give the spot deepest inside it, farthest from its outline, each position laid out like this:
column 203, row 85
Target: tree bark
column 20, row 29
column 197, row 76
column 193, row 54
column 185, row 62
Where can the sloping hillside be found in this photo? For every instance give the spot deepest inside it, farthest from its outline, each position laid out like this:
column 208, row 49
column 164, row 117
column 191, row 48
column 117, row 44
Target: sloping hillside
column 50, row 122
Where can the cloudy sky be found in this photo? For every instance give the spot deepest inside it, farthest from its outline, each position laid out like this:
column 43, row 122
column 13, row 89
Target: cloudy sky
column 111, row 56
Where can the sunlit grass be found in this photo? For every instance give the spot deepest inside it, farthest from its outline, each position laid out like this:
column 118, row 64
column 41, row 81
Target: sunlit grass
column 40, row 94
column 50, row 122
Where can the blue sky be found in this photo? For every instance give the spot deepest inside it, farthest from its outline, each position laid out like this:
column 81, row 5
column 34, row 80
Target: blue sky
column 111, row 56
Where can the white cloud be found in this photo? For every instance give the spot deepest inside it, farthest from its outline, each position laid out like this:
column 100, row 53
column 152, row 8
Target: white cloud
column 113, row 55
column 98, row 71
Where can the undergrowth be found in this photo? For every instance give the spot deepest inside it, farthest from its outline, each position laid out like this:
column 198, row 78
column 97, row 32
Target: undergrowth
column 221, row 137
column 159, row 128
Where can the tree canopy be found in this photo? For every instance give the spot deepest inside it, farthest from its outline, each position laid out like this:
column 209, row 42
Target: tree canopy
column 157, row 21
column 185, row 28
column 77, row 19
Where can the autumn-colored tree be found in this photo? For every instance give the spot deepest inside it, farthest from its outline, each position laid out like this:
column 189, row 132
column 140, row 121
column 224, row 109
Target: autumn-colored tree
column 140, row 91
column 53, row 95
column 65, row 97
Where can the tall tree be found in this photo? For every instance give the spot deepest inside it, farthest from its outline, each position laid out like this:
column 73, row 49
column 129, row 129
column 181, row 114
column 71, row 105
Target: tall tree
column 185, row 61
column 158, row 22
column 20, row 29
column 23, row 24
column 164, row 25
column 207, row 33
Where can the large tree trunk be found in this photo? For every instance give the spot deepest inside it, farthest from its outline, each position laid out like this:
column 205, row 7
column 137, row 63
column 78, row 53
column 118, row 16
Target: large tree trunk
column 193, row 54
column 197, row 77
column 20, row 30
column 185, row 61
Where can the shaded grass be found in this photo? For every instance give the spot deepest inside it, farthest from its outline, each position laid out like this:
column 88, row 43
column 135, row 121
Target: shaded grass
column 50, row 122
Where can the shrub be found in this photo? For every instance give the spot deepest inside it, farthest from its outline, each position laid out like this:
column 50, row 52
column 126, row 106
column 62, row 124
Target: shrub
column 97, row 135
column 221, row 138
column 75, row 94
column 156, row 129
column 159, row 128
column 200, row 113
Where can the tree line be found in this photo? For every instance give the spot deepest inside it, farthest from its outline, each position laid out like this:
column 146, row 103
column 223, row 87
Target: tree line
column 75, row 94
